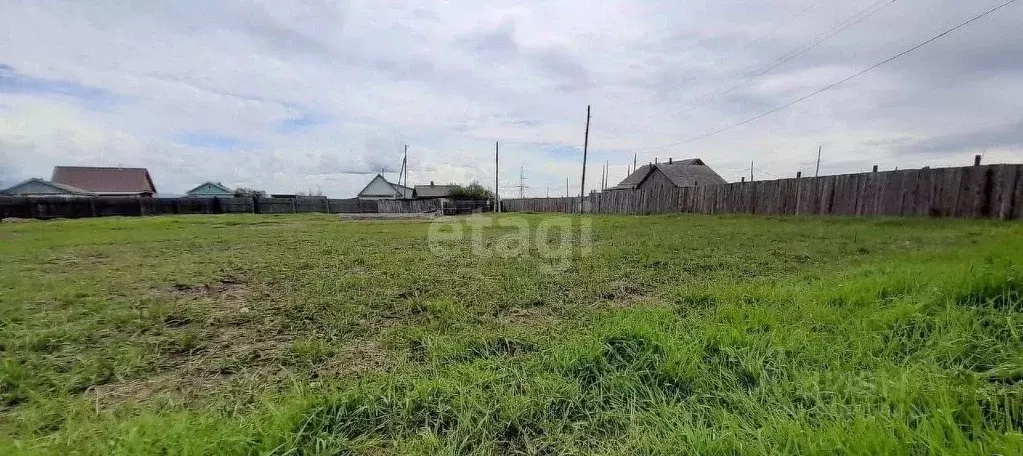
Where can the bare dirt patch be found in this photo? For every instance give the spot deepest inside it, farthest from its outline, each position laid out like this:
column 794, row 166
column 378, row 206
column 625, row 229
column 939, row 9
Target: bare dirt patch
column 224, row 286
column 230, row 292
column 224, row 346
column 356, row 358
column 277, row 226
column 519, row 316
column 242, row 368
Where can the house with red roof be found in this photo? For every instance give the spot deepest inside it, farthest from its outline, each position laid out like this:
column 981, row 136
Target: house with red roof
column 106, row 181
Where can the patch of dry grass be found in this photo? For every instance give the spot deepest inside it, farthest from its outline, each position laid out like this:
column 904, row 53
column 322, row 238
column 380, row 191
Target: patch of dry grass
column 248, row 334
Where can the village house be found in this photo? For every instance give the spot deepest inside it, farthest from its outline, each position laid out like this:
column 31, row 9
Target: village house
column 379, row 188
column 106, row 181
column 432, row 191
column 210, row 190
column 691, row 172
column 81, row 181
column 38, row 187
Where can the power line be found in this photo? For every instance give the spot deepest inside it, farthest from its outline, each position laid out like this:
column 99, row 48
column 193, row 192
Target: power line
column 843, row 81
column 774, row 29
column 764, row 171
column 821, row 38
column 770, row 33
column 788, row 57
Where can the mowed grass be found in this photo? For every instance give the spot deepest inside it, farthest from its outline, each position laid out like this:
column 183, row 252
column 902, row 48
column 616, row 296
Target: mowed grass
column 675, row 335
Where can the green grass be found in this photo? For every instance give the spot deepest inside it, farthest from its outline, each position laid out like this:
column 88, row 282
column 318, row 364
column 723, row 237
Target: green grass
column 676, row 335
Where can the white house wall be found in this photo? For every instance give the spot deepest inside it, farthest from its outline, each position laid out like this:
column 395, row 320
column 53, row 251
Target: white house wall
column 378, row 188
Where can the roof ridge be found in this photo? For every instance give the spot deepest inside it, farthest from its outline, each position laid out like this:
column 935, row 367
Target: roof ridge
column 100, row 167
column 57, row 185
column 215, row 184
column 105, row 179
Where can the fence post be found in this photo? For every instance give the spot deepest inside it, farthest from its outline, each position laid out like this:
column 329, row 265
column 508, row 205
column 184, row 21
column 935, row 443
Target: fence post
column 294, row 205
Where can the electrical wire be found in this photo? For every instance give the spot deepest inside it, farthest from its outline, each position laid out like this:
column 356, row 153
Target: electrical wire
column 842, row 81
column 770, row 33
column 778, row 62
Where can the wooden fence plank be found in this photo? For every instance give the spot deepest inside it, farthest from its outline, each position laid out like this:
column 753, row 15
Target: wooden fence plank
column 979, row 191
column 1007, row 177
column 1017, row 196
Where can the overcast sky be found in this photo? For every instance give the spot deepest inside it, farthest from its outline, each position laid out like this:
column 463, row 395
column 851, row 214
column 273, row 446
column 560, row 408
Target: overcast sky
column 314, row 94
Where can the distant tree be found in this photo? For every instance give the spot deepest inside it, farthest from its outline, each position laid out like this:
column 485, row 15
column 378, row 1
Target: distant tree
column 311, row 192
column 245, row 191
column 473, row 191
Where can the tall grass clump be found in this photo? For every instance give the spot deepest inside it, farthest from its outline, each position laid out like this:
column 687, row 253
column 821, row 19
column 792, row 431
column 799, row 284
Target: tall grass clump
column 746, row 336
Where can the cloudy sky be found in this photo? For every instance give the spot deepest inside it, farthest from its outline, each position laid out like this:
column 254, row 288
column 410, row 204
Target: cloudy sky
column 318, row 94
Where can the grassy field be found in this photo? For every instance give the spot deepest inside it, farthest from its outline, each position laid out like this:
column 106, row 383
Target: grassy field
column 675, row 335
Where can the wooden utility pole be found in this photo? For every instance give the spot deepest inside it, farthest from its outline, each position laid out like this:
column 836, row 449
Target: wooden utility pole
column 751, row 170
column 603, row 182
column 566, row 188
column 586, row 148
column 818, row 173
column 635, row 155
column 404, row 162
column 401, row 170
column 607, row 177
column 497, row 176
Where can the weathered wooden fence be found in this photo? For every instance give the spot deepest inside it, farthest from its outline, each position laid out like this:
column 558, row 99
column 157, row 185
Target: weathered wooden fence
column 991, row 191
column 408, row 206
column 76, row 207
column 566, row 204
column 433, row 205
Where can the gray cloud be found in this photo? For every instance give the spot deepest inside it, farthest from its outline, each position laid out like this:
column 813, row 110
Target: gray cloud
column 452, row 78
column 12, row 81
column 553, row 61
column 498, row 40
column 1008, row 136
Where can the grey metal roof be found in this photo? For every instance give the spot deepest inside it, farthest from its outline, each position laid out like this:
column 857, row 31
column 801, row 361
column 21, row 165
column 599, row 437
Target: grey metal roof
column 683, row 173
column 403, row 191
column 64, row 187
column 434, row 191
